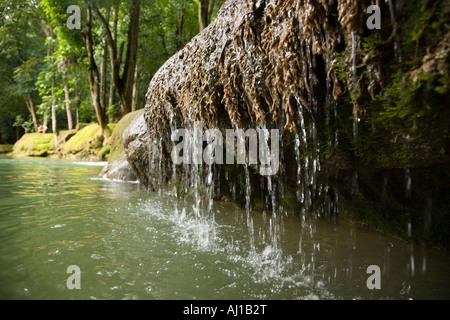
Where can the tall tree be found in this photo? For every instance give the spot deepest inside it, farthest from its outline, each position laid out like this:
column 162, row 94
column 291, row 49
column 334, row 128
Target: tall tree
column 21, row 53
column 112, row 86
column 78, row 44
column 124, row 81
column 180, row 23
column 67, row 102
column 205, row 10
column 94, row 76
column 23, row 81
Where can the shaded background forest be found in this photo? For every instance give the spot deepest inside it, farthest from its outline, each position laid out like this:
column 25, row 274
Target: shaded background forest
column 58, row 77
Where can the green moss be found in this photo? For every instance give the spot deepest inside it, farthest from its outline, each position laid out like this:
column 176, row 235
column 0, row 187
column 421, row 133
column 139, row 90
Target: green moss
column 112, row 126
column 104, row 152
column 34, row 144
column 65, row 135
column 86, row 137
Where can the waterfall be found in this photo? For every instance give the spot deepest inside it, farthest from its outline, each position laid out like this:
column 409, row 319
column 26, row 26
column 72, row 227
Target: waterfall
column 353, row 57
column 407, row 183
column 397, row 49
column 250, row 227
column 300, row 190
column 355, row 185
column 253, row 84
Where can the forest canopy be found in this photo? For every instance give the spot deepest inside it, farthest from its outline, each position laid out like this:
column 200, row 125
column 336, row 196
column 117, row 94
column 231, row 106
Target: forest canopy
column 56, row 73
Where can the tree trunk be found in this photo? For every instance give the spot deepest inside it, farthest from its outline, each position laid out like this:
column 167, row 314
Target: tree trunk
column 124, row 84
column 112, row 100
column 53, row 114
column 129, row 78
column 135, row 86
column 210, row 9
column 77, row 105
column 77, row 109
column 112, row 86
column 180, row 21
column 94, row 79
column 45, row 120
column 103, row 63
column 67, row 103
column 30, row 105
column 205, row 9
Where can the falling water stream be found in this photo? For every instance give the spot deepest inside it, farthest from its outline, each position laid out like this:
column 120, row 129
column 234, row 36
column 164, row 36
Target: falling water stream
column 133, row 244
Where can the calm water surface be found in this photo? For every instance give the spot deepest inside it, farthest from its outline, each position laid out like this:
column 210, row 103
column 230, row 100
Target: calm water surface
column 131, row 244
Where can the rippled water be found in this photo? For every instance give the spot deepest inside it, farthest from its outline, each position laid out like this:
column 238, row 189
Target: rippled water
column 131, row 244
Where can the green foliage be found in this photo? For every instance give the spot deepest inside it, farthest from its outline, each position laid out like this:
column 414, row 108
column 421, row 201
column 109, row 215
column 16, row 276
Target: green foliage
column 404, row 111
column 10, row 109
column 104, row 152
column 70, row 41
column 21, row 53
column 27, row 125
column 39, row 54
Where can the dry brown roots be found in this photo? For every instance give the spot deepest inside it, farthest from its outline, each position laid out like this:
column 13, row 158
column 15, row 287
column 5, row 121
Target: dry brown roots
column 254, row 64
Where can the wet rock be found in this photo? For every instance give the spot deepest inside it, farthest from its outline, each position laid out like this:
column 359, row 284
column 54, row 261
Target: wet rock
column 136, row 142
column 339, row 94
column 34, row 145
column 5, row 148
column 85, row 144
column 128, row 131
column 119, row 169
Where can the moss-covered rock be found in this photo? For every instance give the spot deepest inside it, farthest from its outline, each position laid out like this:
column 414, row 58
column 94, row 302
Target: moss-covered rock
column 354, row 106
column 88, row 135
column 34, row 145
column 118, row 165
column 114, row 145
column 85, row 144
column 6, row 148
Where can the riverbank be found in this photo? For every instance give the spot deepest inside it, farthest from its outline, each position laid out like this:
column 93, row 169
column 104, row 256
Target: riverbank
column 85, row 143
column 5, row 148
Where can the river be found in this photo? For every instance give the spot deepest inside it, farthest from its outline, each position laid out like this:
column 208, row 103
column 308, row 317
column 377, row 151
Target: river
column 132, row 244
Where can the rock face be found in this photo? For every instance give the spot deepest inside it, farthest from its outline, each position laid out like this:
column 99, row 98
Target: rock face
column 119, row 169
column 34, row 145
column 361, row 112
column 119, row 160
column 136, row 141
column 85, row 144
column 5, row 148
